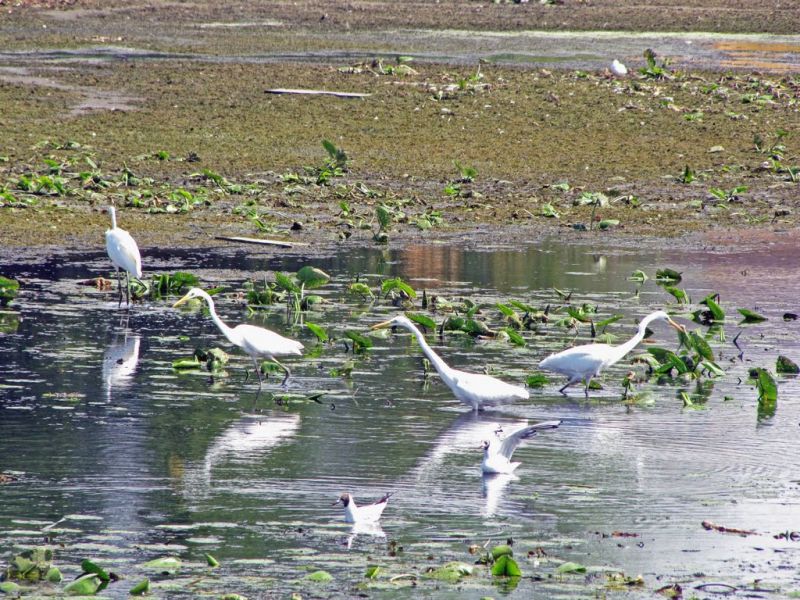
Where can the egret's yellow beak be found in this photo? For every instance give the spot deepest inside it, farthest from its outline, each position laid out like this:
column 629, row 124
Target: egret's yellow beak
column 677, row 326
column 382, row 325
column 181, row 301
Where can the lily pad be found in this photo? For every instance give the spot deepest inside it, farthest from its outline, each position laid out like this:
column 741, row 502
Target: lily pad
column 165, row 564
column 319, row 577
column 451, row 572
column 312, row 277
column 141, row 588
column 87, row 585
column 569, row 568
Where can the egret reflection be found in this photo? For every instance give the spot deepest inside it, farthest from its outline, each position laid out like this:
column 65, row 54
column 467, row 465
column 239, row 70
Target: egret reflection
column 120, row 360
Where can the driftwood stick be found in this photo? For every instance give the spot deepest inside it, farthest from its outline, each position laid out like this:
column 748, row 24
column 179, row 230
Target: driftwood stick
column 316, row 93
column 246, row 240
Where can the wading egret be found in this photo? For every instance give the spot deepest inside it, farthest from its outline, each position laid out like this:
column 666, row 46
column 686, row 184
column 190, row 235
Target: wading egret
column 369, row 513
column 256, row 341
column 581, row 363
column 473, row 389
column 497, row 453
column 618, row 69
column 124, row 253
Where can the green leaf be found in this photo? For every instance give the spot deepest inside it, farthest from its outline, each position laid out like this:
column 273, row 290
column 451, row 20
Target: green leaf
column 712, row 368
column 318, row 331
column 700, row 344
column 451, row 572
column 600, row 325
column 537, row 380
column 185, row 364
column 87, row 585
column 716, row 310
column 678, row 293
column 548, row 211
column 569, row 568
column 687, row 399
column 502, row 550
column 53, row 575
column 397, row 284
column 165, row 564
column 212, row 562
column 506, row 310
column 10, row 588
column 505, row 566
column 514, row 336
column 786, row 365
column 286, row 282
column 140, row 588
column 423, row 320
column 372, row 572
column 384, row 217
column 668, row 275
column 638, row 275
column 319, row 577
column 8, row 290
column 608, row 223
column 360, row 289
column 360, row 342
column 90, row 567
column 767, row 386
column 312, row 277
column 750, row 316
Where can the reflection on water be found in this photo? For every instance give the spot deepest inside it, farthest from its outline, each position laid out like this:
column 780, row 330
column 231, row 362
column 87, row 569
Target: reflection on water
column 147, row 458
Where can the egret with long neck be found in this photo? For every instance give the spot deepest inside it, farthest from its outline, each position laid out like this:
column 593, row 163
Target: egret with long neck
column 474, row 389
column 581, row 363
column 124, row 254
column 256, row 341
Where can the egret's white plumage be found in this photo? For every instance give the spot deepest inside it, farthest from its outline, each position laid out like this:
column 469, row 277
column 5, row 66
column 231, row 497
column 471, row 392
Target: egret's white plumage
column 256, row 341
column 369, row 513
column 123, row 252
column 581, row 363
column 497, row 452
column 618, row 69
column 474, row 389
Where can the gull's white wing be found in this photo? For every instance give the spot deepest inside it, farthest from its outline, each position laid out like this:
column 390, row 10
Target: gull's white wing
column 512, row 440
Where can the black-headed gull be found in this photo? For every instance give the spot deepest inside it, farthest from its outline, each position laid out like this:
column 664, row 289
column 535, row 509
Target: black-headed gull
column 497, row 453
column 369, row 513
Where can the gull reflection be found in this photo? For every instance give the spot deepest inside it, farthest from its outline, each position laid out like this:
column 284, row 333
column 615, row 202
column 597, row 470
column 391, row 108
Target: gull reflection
column 246, row 441
column 494, row 485
column 370, row 529
column 119, row 362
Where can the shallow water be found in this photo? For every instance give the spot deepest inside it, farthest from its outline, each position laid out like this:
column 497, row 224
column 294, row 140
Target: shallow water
column 142, row 461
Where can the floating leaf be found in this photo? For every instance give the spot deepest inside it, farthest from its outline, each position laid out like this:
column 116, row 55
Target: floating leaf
column 360, row 342
column 786, row 365
column 513, row 336
column 312, row 277
column 397, row 284
column 372, row 572
column 608, row 223
column 319, row 577
column 716, row 311
column 450, row 572
column 360, row 289
column 54, row 575
column 10, row 588
column 766, row 385
column 318, row 331
column 750, row 316
column 212, row 562
column 638, row 275
column 90, row 567
column 548, row 211
column 668, row 275
column 165, row 564
column 606, row 322
column 184, row 364
column 140, row 588
column 8, row 290
column 87, row 585
column 505, row 566
column 537, row 380
column 423, row 320
column 570, row 567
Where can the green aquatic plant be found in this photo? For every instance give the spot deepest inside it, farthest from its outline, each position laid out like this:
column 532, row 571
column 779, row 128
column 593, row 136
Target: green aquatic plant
column 654, row 70
column 786, row 365
column 731, row 195
column 9, row 288
column 750, row 317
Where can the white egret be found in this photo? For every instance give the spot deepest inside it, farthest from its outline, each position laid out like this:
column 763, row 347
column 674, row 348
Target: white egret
column 256, row 341
column 124, row 253
column 618, row 69
column 369, row 513
column 474, row 389
column 581, row 363
column 497, row 453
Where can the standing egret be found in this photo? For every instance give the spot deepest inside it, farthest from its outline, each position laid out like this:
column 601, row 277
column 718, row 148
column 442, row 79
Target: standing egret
column 124, row 253
column 473, row 389
column 497, row 453
column 581, row 363
column 256, row 341
column 369, row 513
